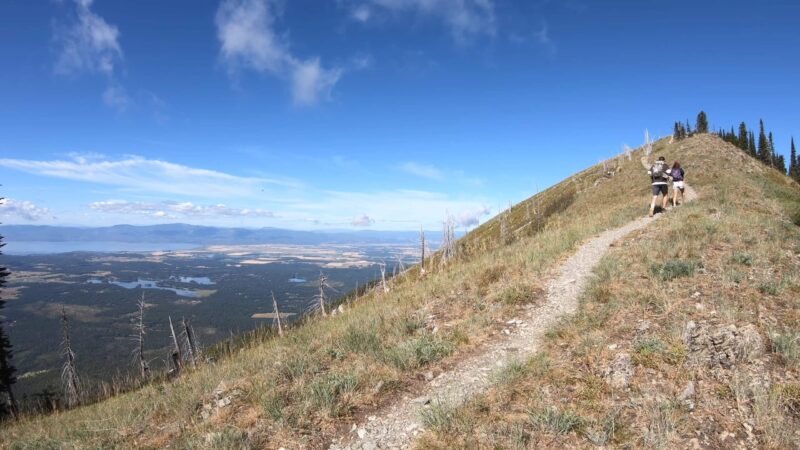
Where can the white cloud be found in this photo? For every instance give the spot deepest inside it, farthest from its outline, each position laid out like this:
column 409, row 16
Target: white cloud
column 176, row 210
column 148, row 175
column 363, row 221
column 115, row 97
column 471, row 217
column 361, row 13
column 422, row 170
column 24, row 209
column 90, row 44
column 246, row 31
column 464, row 18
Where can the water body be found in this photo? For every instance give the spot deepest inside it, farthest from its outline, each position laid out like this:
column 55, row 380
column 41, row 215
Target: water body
column 296, row 279
column 198, row 280
column 47, row 247
column 146, row 284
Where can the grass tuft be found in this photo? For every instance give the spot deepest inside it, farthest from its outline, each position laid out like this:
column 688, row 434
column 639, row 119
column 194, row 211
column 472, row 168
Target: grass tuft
column 674, row 269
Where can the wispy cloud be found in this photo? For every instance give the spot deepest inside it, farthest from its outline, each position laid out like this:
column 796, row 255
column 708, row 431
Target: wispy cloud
column 177, row 210
column 88, row 44
column 246, row 32
column 422, row 170
column 145, row 175
column 464, row 18
column 25, row 210
column 116, row 97
column 363, row 221
column 471, row 217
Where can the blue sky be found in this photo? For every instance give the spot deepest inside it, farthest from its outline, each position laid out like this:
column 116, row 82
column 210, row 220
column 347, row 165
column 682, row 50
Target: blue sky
column 380, row 114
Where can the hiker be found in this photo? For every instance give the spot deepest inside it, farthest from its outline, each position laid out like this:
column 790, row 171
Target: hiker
column 676, row 173
column 659, row 174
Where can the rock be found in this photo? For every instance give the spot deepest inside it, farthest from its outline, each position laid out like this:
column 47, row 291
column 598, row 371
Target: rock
column 378, row 387
column 428, row 376
column 696, row 294
column 421, row 400
column 688, row 392
column 620, row 372
column 506, row 331
column 369, row 446
column 362, row 433
column 613, row 347
column 721, row 345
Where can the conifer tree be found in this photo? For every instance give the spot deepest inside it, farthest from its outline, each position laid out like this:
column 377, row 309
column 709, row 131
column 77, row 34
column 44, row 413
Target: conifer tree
column 794, row 170
column 751, row 145
column 780, row 163
column 8, row 404
column 676, row 133
column 702, row 123
column 689, row 131
column 763, row 145
column 743, row 136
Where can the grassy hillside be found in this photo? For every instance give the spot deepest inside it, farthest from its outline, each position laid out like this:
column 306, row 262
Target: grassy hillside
column 301, row 390
column 731, row 258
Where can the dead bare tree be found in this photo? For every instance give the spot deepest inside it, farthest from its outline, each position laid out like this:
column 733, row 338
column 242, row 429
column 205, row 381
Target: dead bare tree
column 384, row 286
column 422, row 251
column 648, row 143
column 69, row 373
column 191, row 344
column 504, row 233
column 144, row 368
column 323, row 283
column 176, row 353
column 448, row 239
column 277, row 315
column 401, row 265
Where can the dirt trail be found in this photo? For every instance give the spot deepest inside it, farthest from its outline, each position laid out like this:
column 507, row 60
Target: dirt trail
column 400, row 423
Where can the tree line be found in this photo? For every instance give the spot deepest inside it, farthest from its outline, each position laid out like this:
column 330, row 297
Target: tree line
column 761, row 148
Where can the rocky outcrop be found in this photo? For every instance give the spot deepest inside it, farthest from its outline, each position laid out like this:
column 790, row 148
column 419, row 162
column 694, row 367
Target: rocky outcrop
column 721, row 345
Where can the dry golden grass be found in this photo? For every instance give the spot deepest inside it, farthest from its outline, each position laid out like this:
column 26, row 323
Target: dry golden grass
column 733, row 257
column 302, row 390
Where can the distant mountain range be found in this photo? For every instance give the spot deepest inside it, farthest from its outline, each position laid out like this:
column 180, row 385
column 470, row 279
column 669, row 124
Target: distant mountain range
column 203, row 235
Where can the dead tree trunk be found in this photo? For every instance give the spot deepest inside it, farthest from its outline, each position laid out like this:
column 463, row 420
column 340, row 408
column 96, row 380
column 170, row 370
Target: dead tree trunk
column 383, row 277
column 322, row 280
column 176, row 354
column 144, row 368
column 190, row 344
column 69, row 374
column 422, row 251
column 277, row 315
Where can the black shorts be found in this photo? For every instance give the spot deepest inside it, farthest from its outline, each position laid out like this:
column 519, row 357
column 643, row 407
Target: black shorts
column 660, row 189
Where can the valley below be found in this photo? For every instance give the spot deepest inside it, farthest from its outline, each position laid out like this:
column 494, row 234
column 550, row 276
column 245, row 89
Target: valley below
column 221, row 290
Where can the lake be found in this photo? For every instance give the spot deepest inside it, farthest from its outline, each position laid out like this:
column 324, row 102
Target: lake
column 48, row 247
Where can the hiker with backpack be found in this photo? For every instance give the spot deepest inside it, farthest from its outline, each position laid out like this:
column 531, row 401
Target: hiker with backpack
column 676, row 173
column 659, row 176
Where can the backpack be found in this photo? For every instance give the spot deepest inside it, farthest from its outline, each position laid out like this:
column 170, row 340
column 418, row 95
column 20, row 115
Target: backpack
column 659, row 170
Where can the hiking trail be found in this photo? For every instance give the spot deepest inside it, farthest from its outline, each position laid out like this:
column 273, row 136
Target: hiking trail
column 399, row 424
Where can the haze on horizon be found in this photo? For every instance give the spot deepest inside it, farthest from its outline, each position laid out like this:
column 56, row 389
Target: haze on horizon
column 360, row 114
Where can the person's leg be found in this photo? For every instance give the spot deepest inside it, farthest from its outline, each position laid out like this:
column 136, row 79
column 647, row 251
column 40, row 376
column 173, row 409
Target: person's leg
column 664, row 196
column 653, row 205
column 674, row 196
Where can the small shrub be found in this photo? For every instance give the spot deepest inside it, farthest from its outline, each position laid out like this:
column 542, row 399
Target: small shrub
column 417, row 353
column 743, row 258
column 445, row 418
column 674, row 269
column 555, row 421
column 518, row 294
column 770, row 288
column 789, row 397
column 297, row 365
column 360, row 341
column 327, row 392
column 787, row 344
column 274, row 404
column 491, row 275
